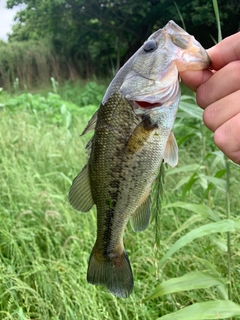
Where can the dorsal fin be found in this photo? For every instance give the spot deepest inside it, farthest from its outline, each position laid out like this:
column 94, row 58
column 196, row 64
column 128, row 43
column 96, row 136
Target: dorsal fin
column 80, row 196
column 91, row 123
column 170, row 155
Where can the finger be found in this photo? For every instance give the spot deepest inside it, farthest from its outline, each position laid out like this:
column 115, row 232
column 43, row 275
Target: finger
column 222, row 83
column 221, row 54
column 225, row 51
column 221, row 111
column 193, row 79
column 226, row 138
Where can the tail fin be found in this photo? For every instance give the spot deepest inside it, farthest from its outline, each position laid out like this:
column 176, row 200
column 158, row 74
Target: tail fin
column 113, row 273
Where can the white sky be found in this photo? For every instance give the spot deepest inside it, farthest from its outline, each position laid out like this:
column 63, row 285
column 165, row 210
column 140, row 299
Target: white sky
column 6, row 19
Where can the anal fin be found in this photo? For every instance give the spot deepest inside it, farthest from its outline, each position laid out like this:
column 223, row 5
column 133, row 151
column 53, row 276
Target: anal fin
column 141, row 217
column 80, row 195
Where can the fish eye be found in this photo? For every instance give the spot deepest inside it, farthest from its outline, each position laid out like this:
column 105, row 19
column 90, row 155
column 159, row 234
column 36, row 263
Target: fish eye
column 150, row 46
column 180, row 42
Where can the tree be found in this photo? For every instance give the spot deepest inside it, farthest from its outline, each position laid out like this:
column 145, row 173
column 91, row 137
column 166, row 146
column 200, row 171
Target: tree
column 102, row 34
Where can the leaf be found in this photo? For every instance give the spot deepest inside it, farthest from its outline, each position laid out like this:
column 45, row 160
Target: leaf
column 188, row 186
column 219, row 309
column 201, row 209
column 186, row 168
column 191, row 109
column 221, row 244
column 217, row 182
column 157, row 196
column 227, row 225
column 190, row 281
column 216, row 11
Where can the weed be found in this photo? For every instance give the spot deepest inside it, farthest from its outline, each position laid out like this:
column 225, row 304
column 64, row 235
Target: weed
column 45, row 244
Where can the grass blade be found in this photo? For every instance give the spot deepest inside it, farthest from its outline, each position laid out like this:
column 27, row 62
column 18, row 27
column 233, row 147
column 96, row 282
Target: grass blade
column 216, row 11
column 226, row 225
column 190, row 281
column 191, row 110
column 201, row 209
column 219, row 309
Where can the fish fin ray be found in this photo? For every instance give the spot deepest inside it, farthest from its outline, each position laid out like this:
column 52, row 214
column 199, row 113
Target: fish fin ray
column 80, row 195
column 115, row 274
column 170, row 155
column 91, row 123
column 140, row 135
column 141, row 217
column 88, row 147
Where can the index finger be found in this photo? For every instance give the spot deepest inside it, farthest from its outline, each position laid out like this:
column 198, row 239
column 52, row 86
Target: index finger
column 193, row 79
column 221, row 54
column 226, row 51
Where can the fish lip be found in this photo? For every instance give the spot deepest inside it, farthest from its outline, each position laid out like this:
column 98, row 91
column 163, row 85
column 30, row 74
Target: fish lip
column 145, row 105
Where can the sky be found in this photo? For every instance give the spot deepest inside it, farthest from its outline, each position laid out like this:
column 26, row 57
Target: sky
column 6, row 19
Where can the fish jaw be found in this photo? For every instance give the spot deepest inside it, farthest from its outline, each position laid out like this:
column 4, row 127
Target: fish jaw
column 189, row 52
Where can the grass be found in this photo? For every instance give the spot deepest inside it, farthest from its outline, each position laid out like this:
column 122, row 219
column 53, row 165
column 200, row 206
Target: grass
column 45, row 244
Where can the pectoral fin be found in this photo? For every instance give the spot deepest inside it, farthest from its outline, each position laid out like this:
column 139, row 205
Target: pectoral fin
column 91, row 123
column 141, row 217
column 170, row 155
column 80, row 196
column 140, row 135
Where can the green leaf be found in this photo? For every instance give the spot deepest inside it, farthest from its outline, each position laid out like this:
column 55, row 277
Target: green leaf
column 217, row 182
column 227, row 225
column 201, row 209
column 186, row 168
column 191, row 110
column 219, row 309
column 190, row 281
column 216, row 11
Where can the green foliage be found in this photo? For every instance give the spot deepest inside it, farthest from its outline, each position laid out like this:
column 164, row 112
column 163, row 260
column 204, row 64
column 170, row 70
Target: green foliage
column 85, row 38
column 90, row 94
column 190, row 281
column 31, row 63
column 218, row 309
column 45, row 244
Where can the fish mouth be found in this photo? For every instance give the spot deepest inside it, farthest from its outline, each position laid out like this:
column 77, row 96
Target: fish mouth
column 146, row 105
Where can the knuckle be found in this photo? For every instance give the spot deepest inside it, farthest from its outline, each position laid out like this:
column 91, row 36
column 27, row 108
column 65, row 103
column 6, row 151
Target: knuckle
column 201, row 96
column 233, row 69
column 208, row 118
column 220, row 138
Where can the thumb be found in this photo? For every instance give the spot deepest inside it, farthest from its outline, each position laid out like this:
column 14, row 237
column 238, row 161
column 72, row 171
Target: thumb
column 193, row 79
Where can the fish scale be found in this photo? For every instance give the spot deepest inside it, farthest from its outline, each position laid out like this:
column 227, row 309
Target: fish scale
column 133, row 135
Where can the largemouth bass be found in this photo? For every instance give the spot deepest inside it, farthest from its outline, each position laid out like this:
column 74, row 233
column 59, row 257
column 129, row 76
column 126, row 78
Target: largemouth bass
column 133, row 135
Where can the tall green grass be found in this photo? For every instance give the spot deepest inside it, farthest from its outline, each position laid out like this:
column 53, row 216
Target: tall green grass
column 45, row 244
column 213, row 309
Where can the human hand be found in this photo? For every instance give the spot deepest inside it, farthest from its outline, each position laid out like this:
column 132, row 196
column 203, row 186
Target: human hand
column 218, row 93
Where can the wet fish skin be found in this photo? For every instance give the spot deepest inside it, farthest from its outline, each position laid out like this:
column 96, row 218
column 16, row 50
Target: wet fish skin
column 133, row 135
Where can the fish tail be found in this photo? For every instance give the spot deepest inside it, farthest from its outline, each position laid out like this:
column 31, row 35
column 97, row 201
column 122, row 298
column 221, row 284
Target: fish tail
column 113, row 273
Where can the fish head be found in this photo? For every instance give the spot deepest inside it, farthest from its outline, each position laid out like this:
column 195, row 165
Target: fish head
column 150, row 76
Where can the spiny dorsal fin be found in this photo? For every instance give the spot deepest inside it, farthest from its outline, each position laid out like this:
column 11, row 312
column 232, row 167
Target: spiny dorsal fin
column 141, row 217
column 80, row 196
column 91, row 123
column 170, row 155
